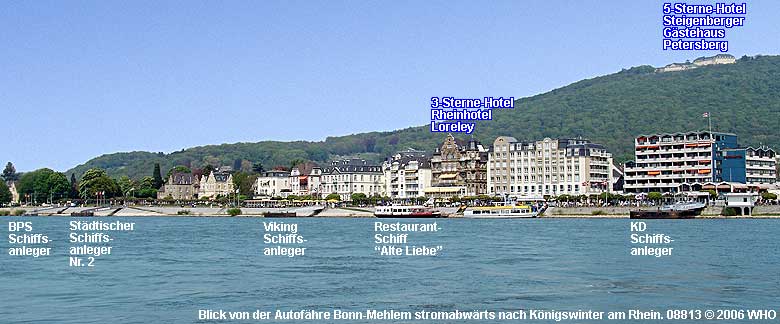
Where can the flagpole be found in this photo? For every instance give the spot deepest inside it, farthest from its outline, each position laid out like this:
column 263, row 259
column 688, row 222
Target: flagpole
column 712, row 147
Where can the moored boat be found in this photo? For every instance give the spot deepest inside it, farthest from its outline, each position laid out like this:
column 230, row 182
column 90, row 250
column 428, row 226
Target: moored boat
column 397, row 211
column 674, row 211
column 502, row 210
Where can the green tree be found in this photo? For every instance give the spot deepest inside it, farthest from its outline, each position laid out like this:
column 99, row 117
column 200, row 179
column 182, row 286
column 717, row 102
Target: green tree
column 295, row 162
column 146, row 188
column 333, row 196
column 126, row 184
column 9, row 173
column 244, row 182
column 358, row 198
column 654, row 196
column 179, row 169
column 74, row 187
column 43, row 184
column 147, row 183
column 258, row 168
column 768, row 196
column 5, row 194
column 96, row 180
column 207, row 170
column 158, row 180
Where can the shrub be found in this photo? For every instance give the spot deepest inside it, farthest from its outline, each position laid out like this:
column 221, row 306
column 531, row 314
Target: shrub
column 768, row 196
column 598, row 212
column 234, row 211
column 183, row 212
column 728, row 211
column 5, row 212
column 654, row 196
column 19, row 212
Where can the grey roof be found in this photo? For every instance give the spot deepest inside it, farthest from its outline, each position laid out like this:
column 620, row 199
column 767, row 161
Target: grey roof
column 424, row 162
column 181, row 178
column 352, row 166
column 221, row 176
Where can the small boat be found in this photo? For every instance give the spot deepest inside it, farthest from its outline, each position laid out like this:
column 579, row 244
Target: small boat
column 502, row 210
column 283, row 213
column 397, row 211
column 674, row 211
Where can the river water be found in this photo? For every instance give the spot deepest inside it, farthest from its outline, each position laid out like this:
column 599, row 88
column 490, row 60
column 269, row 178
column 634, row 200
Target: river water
column 168, row 268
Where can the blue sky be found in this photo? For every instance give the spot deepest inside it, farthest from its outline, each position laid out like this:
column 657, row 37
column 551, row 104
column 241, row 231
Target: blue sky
column 85, row 78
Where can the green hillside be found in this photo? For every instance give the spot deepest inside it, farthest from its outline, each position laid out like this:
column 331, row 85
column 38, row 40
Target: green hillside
column 743, row 98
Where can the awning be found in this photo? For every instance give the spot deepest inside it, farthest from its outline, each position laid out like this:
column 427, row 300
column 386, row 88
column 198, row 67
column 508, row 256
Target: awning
column 653, row 172
column 704, row 171
column 448, row 176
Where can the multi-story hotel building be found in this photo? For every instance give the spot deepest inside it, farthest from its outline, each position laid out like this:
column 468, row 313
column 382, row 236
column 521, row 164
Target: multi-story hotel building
column 407, row 175
column 305, row 179
column 352, row 176
column 458, row 169
column 180, row 186
column 275, row 183
column 216, row 184
column 677, row 162
column 550, row 167
column 749, row 165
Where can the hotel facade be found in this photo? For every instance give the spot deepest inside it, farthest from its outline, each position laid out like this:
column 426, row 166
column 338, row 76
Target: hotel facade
column 352, row 176
column 180, row 186
column 749, row 165
column 216, row 184
column 407, row 175
column 549, row 167
column 675, row 162
column 305, row 179
column 458, row 168
column 275, row 183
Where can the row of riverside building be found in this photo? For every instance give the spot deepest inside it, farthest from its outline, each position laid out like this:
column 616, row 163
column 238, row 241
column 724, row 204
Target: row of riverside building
column 527, row 170
column 458, row 168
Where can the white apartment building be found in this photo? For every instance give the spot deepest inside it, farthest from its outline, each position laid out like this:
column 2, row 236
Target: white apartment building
column 550, row 167
column 274, row 183
column 352, row 176
column 760, row 165
column 305, row 179
column 674, row 162
column 407, row 175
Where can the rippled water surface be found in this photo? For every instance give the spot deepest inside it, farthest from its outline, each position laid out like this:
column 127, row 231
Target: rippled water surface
column 170, row 267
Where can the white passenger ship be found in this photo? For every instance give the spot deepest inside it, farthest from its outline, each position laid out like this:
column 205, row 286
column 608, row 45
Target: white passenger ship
column 501, row 210
column 397, row 211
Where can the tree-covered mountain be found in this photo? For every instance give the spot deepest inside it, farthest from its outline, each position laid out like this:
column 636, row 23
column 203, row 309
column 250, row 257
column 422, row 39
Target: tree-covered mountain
column 743, row 98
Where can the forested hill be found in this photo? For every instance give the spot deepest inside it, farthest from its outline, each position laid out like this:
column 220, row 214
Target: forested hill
column 743, row 98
